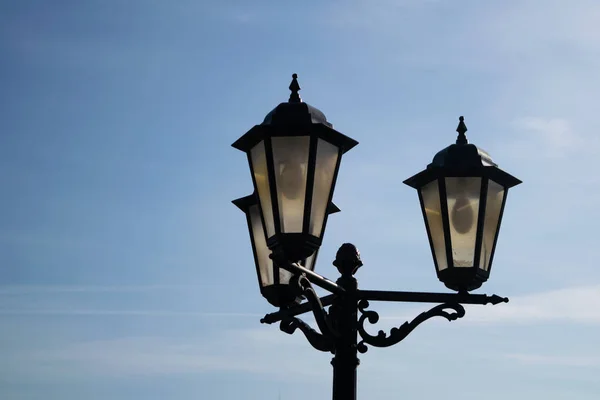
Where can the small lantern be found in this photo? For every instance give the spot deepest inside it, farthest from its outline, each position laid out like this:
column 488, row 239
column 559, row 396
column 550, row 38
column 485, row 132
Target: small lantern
column 273, row 281
column 462, row 195
column 294, row 157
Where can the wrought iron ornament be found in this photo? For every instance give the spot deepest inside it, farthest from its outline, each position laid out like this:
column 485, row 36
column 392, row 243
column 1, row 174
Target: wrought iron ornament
column 348, row 301
column 317, row 340
column 322, row 341
column 340, row 326
column 396, row 335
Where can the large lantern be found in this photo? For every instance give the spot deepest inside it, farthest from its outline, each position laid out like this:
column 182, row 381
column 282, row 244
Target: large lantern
column 294, row 156
column 462, row 195
column 273, row 281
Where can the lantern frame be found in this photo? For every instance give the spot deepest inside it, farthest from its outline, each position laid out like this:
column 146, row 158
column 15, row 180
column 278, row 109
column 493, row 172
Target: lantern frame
column 462, row 160
column 277, row 293
column 294, row 119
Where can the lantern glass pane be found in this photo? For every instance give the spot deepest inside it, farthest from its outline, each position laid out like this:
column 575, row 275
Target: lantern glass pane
column 284, row 276
column 261, row 177
column 309, row 263
column 327, row 158
column 265, row 264
column 430, row 195
column 290, row 159
column 493, row 206
column 463, row 209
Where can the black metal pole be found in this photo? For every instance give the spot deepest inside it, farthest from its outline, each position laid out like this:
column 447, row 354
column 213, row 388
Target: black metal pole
column 344, row 315
column 345, row 361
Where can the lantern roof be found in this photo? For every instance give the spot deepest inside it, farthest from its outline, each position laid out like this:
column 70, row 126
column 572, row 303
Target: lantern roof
column 295, row 111
column 462, row 158
column 294, row 117
column 462, row 154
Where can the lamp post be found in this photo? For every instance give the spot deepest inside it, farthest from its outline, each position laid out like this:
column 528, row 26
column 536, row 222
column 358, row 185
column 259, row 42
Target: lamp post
column 294, row 157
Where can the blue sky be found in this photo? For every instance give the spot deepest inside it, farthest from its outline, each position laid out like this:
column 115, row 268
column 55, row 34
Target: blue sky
column 125, row 271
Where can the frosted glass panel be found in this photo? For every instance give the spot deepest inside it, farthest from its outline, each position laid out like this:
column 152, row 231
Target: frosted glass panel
column 290, row 156
column 284, row 276
column 259, row 166
column 265, row 264
column 430, row 194
column 493, row 205
column 327, row 157
column 309, row 262
column 463, row 209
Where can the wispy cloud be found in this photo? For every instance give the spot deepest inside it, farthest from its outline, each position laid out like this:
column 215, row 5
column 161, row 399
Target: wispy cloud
column 45, row 240
column 244, row 17
column 237, row 350
column 125, row 313
column 570, row 304
column 546, row 137
column 498, row 37
column 576, row 304
column 42, row 289
column 102, row 300
column 551, row 360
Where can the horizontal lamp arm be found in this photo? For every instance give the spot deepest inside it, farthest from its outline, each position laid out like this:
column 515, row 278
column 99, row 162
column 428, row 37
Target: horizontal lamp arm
column 295, row 310
column 314, row 278
column 425, row 297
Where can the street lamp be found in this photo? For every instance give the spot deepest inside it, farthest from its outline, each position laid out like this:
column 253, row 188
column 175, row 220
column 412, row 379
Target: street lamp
column 462, row 195
column 272, row 280
column 294, row 157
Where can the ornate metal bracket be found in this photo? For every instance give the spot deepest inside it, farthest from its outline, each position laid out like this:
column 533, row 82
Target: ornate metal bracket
column 323, row 341
column 317, row 340
column 321, row 316
column 396, row 335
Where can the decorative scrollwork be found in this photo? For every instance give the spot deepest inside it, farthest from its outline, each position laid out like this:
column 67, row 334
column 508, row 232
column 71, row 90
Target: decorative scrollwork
column 396, row 335
column 323, row 341
column 321, row 316
column 317, row 340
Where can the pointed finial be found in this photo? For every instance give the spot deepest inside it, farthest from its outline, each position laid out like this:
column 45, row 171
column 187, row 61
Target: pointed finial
column 461, row 129
column 295, row 87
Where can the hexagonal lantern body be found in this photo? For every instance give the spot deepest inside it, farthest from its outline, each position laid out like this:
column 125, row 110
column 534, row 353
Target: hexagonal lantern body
column 294, row 156
column 462, row 195
column 273, row 281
